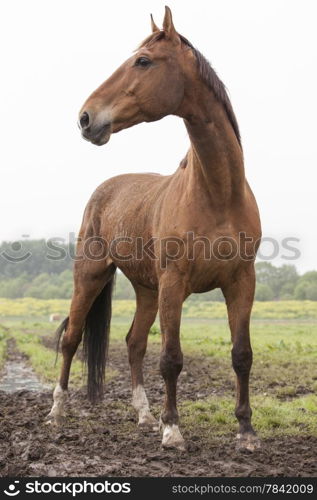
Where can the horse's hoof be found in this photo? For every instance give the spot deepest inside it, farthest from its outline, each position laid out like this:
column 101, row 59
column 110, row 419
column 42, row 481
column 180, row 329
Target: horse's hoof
column 148, row 423
column 172, row 438
column 248, row 442
column 55, row 420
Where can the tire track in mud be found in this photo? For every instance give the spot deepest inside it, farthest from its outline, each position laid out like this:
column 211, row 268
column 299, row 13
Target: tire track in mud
column 17, row 374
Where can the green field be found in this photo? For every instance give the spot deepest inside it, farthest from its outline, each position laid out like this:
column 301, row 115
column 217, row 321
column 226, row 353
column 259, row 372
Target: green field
column 284, row 375
column 285, row 309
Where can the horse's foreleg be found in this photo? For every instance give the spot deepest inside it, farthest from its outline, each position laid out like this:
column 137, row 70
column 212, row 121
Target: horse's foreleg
column 239, row 298
column 171, row 298
column 147, row 306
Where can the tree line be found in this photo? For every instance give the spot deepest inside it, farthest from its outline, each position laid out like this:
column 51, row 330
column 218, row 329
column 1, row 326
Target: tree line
column 43, row 269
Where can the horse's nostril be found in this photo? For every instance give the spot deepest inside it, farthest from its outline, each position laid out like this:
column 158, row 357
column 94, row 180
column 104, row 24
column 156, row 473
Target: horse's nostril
column 84, row 120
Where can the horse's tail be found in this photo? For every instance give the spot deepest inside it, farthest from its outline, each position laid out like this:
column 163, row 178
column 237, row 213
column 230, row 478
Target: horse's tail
column 96, row 341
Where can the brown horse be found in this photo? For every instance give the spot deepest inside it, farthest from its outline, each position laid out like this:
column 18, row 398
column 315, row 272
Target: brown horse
column 189, row 232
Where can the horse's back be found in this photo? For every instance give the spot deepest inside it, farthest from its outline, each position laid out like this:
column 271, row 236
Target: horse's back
column 129, row 185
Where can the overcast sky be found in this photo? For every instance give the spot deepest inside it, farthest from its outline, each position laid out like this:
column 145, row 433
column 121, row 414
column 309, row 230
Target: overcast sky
column 55, row 53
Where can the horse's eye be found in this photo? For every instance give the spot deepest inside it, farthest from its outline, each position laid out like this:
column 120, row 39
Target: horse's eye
column 143, row 62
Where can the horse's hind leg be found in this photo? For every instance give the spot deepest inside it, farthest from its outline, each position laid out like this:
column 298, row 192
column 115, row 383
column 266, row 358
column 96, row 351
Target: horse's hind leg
column 239, row 298
column 137, row 341
column 90, row 277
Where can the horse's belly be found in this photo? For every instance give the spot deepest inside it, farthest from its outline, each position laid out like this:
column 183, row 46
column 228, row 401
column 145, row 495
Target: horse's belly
column 140, row 272
column 207, row 275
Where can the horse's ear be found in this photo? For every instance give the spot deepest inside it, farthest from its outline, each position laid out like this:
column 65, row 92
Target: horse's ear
column 154, row 27
column 168, row 26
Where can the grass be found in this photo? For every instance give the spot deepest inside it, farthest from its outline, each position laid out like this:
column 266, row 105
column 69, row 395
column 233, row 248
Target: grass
column 286, row 309
column 212, row 338
column 215, row 417
column 3, row 344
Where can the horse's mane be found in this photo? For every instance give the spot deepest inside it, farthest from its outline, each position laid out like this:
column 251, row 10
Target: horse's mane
column 208, row 75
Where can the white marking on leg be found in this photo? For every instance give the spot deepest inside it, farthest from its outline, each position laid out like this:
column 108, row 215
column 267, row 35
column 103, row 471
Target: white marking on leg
column 141, row 404
column 248, row 441
column 59, row 398
column 139, row 400
column 172, row 437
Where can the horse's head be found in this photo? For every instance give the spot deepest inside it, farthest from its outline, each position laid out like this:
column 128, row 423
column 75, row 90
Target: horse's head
column 145, row 88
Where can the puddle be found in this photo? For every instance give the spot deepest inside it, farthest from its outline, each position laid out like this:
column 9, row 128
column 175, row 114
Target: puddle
column 18, row 376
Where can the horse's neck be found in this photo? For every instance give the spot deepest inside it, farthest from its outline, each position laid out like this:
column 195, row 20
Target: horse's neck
column 215, row 160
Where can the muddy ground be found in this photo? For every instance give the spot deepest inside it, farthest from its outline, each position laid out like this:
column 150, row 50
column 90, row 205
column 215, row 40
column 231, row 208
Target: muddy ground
column 104, row 440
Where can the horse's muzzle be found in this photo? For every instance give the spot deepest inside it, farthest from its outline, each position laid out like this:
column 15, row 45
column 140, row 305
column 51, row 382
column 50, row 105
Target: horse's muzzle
column 97, row 135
